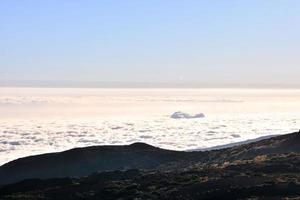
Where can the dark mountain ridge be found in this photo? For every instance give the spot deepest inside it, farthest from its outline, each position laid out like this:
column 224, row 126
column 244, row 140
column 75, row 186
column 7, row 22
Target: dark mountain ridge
column 80, row 162
column 266, row 169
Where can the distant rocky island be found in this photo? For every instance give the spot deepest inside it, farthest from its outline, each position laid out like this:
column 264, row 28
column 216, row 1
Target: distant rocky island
column 265, row 169
column 182, row 115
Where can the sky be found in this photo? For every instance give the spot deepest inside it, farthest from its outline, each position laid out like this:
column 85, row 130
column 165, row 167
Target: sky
column 205, row 43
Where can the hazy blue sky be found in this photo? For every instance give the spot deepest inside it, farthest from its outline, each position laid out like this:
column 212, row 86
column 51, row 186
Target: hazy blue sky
column 212, row 42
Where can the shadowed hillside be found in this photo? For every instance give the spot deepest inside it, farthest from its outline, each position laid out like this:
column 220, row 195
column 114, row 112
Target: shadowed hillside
column 264, row 169
column 84, row 161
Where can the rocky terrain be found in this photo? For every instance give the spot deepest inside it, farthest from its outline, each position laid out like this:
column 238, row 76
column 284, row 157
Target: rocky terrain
column 266, row 169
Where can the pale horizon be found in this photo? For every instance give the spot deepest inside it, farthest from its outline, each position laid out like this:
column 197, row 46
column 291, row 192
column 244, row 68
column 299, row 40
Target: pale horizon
column 120, row 84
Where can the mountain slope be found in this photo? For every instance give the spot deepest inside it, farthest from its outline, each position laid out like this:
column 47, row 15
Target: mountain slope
column 267, row 169
column 84, row 161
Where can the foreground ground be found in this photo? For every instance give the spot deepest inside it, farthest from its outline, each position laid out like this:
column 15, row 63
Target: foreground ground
column 268, row 169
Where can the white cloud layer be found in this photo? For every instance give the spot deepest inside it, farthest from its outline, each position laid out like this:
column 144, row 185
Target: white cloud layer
column 34, row 121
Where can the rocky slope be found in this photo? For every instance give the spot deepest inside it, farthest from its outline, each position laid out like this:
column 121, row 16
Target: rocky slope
column 84, row 161
column 267, row 169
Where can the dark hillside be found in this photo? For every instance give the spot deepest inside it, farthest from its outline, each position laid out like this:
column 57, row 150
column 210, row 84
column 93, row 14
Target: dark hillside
column 267, row 169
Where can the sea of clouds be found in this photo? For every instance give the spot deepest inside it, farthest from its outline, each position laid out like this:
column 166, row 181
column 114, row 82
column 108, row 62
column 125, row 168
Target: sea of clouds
column 35, row 121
